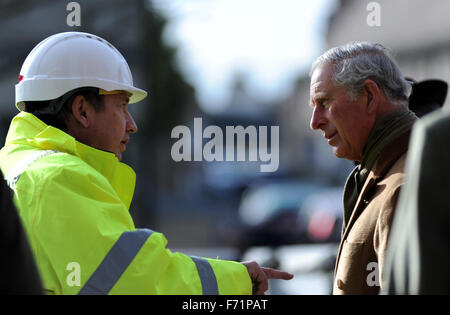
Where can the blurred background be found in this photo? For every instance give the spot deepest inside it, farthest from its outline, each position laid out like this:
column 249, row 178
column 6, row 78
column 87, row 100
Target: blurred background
column 235, row 63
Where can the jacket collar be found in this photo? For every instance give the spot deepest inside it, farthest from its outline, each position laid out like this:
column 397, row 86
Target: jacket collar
column 382, row 165
column 29, row 130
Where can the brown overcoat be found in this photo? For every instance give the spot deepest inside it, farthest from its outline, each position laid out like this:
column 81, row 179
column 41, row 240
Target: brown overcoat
column 361, row 254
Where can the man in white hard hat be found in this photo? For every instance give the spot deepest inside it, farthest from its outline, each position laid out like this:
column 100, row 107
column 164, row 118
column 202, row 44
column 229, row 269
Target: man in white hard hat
column 62, row 159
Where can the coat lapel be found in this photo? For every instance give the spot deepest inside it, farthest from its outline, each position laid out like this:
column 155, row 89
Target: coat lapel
column 384, row 162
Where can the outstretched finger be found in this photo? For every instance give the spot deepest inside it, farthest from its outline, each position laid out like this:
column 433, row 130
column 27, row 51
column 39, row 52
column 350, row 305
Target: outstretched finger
column 277, row 274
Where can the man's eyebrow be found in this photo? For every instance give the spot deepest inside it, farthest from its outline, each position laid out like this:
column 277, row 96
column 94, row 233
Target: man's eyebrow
column 316, row 99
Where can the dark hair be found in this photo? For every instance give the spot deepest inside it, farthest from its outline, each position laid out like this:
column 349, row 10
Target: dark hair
column 59, row 119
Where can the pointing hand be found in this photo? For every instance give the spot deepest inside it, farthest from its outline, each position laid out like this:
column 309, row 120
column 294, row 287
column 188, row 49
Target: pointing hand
column 261, row 275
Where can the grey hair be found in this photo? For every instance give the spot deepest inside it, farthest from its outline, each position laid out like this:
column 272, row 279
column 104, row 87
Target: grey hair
column 356, row 62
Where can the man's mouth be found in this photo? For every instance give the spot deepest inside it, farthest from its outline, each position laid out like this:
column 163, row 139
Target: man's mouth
column 123, row 144
column 331, row 137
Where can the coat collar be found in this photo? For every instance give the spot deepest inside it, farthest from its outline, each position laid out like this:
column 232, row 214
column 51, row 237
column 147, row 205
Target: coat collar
column 27, row 130
column 382, row 165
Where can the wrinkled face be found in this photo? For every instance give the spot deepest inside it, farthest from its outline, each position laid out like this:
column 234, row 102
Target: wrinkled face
column 112, row 125
column 344, row 122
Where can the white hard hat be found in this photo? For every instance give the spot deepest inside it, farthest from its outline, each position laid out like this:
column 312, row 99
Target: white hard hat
column 70, row 60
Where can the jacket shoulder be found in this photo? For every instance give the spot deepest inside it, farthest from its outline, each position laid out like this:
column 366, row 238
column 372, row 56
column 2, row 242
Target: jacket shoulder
column 53, row 163
column 49, row 167
column 395, row 176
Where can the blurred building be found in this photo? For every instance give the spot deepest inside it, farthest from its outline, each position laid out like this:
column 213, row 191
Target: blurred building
column 205, row 197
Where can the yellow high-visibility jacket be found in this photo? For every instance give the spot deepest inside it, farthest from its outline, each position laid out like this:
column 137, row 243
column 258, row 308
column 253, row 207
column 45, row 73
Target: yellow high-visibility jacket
column 74, row 199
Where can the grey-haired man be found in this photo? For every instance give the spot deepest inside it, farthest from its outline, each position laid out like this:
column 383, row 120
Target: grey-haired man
column 359, row 99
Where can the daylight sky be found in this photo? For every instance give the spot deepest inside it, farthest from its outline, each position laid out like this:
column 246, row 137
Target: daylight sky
column 271, row 42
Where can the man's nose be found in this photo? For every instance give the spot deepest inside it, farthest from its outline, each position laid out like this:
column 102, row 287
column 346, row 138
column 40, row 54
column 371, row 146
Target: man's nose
column 317, row 118
column 131, row 124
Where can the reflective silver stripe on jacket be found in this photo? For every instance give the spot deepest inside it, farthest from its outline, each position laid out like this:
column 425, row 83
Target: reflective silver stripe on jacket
column 14, row 173
column 207, row 276
column 116, row 262
column 120, row 256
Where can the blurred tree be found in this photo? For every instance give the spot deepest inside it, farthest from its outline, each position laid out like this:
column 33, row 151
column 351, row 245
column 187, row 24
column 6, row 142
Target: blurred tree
column 169, row 92
column 170, row 100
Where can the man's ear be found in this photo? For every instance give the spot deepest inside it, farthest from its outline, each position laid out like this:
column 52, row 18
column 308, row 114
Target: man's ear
column 372, row 91
column 80, row 110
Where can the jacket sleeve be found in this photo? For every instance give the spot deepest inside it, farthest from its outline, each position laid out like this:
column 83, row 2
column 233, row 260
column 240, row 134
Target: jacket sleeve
column 85, row 242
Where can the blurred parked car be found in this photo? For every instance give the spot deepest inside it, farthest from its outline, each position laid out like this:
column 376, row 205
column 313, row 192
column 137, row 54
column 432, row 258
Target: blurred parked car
column 269, row 213
column 320, row 215
column 304, row 243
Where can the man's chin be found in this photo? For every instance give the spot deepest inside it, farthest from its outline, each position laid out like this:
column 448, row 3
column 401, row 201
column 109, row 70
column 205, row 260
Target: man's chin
column 343, row 155
column 338, row 153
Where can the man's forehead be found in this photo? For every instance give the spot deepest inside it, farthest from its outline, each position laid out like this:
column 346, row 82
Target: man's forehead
column 122, row 97
column 321, row 77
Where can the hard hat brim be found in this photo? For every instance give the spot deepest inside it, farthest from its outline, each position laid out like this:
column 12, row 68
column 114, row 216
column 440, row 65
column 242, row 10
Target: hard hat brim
column 49, row 88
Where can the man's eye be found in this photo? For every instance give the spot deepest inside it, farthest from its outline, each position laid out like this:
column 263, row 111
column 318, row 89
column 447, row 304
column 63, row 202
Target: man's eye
column 321, row 103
